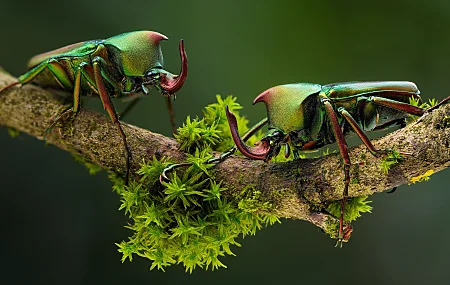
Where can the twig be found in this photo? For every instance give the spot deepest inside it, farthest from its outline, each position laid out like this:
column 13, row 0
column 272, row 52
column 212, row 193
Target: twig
column 295, row 188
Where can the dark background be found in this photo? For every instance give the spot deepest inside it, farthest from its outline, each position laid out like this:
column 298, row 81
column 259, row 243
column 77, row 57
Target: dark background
column 59, row 224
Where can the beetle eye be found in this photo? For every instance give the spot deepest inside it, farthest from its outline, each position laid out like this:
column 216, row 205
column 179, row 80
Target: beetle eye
column 277, row 134
column 153, row 74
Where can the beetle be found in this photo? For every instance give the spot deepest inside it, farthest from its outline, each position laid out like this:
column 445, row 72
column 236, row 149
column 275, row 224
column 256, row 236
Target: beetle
column 306, row 116
column 118, row 66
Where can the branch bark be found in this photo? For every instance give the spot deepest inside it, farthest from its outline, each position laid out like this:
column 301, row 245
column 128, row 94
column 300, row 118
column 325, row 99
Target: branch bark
column 295, row 188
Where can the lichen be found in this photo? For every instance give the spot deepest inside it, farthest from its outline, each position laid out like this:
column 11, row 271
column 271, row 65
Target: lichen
column 422, row 177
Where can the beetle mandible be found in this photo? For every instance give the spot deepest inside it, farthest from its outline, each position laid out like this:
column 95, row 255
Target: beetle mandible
column 307, row 116
column 118, row 66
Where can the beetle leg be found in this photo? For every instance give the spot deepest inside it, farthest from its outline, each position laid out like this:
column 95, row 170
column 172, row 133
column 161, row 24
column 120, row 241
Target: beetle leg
column 172, row 116
column 399, row 122
column 32, row 73
column 109, row 107
column 76, row 102
column 342, row 144
column 359, row 132
column 405, row 107
column 58, row 71
column 9, row 86
column 60, row 74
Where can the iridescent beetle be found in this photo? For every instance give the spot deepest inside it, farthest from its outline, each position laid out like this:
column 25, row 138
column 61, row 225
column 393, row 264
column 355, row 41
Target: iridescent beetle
column 121, row 65
column 307, row 116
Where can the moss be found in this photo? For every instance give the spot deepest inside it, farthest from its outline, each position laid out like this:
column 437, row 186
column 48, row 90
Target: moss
column 278, row 195
column 422, row 177
column 212, row 130
column 332, row 227
column 353, row 208
column 187, row 219
column 444, row 123
column 390, row 160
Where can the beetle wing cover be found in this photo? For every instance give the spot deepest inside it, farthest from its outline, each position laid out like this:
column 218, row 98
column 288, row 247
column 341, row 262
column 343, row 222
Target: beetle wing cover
column 73, row 50
column 284, row 105
column 389, row 89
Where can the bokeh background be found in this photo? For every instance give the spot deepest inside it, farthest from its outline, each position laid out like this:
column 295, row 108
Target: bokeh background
column 59, row 224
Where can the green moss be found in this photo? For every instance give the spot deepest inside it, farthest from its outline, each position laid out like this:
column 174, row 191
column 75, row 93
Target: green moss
column 391, row 159
column 212, row 130
column 187, row 219
column 353, row 208
column 332, row 227
column 424, row 105
column 444, row 123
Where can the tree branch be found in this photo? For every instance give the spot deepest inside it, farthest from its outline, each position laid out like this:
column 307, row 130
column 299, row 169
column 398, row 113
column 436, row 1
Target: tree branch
column 295, row 188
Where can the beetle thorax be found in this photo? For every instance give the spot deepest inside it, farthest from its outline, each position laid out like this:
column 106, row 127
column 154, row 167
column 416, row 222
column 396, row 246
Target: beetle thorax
column 136, row 52
column 288, row 105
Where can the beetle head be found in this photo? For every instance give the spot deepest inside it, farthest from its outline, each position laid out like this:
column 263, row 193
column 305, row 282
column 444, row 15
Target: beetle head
column 165, row 81
column 292, row 113
column 264, row 149
column 140, row 58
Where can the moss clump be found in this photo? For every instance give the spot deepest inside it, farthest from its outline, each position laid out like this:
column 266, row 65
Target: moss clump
column 332, row 227
column 353, row 208
column 424, row 105
column 212, row 130
column 187, row 219
column 422, row 177
column 392, row 158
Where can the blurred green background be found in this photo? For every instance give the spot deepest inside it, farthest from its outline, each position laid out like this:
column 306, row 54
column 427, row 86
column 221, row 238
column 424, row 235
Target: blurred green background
column 59, row 224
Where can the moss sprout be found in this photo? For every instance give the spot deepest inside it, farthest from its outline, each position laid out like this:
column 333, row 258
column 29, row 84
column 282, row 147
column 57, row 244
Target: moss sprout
column 392, row 158
column 353, row 208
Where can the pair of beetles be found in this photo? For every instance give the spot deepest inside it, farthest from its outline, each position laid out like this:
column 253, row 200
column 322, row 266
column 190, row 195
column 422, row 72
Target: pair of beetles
column 300, row 116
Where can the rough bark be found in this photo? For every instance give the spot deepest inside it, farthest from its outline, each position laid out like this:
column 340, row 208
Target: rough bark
column 295, row 188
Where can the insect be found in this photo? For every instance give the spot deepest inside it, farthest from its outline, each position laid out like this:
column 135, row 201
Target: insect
column 122, row 65
column 307, row 116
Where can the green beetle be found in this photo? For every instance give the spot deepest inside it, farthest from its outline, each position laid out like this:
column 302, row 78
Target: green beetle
column 307, row 116
column 119, row 66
